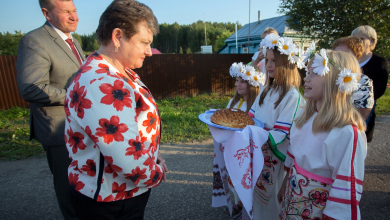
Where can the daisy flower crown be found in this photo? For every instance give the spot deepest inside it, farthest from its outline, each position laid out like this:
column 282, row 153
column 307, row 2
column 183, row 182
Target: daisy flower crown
column 247, row 73
column 347, row 81
column 286, row 46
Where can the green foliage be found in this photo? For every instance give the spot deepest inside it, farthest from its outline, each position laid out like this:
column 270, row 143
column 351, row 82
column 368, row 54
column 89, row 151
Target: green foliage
column 328, row 20
column 221, row 39
column 9, row 43
column 78, row 38
column 89, row 43
column 174, row 36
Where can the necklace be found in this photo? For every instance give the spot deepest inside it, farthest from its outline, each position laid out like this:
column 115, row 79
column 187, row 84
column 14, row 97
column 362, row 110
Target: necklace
column 109, row 60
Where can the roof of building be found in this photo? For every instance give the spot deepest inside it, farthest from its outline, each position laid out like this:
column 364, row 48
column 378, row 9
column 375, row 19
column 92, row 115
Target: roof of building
column 257, row 28
column 155, row 51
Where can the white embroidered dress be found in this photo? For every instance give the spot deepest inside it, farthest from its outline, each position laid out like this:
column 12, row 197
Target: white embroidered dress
column 219, row 193
column 278, row 122
column 326, row 175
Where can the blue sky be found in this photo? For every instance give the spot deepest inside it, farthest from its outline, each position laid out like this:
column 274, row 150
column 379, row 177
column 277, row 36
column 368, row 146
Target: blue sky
column 25, row 15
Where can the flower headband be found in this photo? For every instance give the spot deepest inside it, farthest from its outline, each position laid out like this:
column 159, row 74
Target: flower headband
column 247, row 73
column 286, row 46
column 347, row 80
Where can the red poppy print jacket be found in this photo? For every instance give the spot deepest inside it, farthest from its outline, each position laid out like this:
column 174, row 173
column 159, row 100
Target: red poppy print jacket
column 112, row 133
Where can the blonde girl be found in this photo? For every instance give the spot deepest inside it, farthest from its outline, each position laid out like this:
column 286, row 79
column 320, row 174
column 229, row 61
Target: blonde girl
column 276, row 106
column 327, row 144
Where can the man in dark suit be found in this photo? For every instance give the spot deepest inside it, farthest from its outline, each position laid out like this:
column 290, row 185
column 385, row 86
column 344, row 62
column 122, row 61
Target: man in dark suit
column 48, row 58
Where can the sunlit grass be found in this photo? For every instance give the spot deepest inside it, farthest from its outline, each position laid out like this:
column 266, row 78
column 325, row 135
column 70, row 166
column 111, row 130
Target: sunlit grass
column 179, row 117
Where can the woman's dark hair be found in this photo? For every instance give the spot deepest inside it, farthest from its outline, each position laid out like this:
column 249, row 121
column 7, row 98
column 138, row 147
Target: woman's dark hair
column 125, row 15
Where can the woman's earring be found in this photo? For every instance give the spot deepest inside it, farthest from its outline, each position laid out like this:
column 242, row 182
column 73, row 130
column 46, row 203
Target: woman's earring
column 116, row 49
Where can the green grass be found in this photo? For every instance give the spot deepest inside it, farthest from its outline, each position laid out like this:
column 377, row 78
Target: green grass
column 383, row 104
column 179, row 117
column 14, row 135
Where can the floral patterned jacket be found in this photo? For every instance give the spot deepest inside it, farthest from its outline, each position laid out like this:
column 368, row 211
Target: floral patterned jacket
column 112, row 133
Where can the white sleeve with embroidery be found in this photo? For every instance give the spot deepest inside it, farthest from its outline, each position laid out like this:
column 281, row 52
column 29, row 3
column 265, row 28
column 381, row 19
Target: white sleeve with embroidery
column 346, row 149
column 281, row 129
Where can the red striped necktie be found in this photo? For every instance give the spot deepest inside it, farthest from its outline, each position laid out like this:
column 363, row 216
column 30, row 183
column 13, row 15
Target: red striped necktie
column 70, row 42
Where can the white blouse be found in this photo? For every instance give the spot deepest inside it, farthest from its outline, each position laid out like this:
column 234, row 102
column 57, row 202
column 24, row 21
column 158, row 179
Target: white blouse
column 239, row 105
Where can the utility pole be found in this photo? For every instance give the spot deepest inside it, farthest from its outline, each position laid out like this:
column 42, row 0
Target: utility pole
column 249, row 25
column 205, row 36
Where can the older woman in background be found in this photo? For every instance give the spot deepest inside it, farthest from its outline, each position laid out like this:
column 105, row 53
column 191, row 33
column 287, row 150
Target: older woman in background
column 364, row 97
column 113, row 126
column 374, row 66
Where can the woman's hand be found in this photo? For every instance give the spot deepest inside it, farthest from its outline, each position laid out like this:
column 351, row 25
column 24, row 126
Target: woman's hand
column 161, row 162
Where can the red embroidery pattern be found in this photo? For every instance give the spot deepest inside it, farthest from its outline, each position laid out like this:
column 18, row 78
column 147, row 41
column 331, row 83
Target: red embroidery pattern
column 245, row 153
column 246, row 180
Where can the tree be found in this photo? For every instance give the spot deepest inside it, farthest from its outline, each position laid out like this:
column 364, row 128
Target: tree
column 78, row 38
column 9, row 43
column 188, row 51
column 221, row 39
column 328, row 20
column 95, row 45
column 181, row 50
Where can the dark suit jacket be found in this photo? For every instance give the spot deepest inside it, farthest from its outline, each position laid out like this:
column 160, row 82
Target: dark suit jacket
column 45, row 67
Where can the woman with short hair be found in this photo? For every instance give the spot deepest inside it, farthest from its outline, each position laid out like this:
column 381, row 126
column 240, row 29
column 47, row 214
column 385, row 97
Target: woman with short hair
column 373, row 66
column 363, row 98
column 113, row 125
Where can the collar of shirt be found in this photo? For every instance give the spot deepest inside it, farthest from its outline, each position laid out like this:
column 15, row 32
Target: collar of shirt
column 62, row 35
column 365, row 62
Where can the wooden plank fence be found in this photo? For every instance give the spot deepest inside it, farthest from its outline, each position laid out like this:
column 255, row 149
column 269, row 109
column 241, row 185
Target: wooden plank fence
column 9, row 95
column 166, row 75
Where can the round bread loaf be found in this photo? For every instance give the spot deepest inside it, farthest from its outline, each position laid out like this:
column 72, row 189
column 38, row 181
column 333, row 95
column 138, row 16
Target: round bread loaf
column 233, row 118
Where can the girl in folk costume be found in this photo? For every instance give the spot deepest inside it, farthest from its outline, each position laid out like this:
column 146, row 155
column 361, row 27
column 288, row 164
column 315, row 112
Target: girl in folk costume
column 247, row 82
column 276, row 106
column 327, row 144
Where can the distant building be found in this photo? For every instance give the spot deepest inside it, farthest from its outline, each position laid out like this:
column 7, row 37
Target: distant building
column 155, row 51
column 256, row 29
column 206, row 49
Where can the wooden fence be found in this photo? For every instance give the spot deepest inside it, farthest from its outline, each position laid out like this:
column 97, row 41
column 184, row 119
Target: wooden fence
column 9, row 95
column 167, row 76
